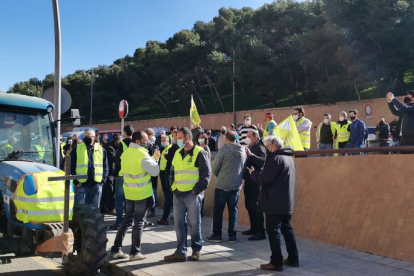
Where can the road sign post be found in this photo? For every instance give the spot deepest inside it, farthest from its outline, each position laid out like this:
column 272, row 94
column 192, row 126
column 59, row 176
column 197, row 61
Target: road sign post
column 123, row 113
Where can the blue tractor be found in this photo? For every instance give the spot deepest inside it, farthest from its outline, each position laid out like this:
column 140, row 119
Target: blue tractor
column 34, row 192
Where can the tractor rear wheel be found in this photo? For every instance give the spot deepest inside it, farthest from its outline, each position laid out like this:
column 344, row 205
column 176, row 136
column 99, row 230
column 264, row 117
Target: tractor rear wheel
column 89, row 248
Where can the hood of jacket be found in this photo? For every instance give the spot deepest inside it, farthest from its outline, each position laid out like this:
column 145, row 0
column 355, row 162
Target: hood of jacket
column 235, row 149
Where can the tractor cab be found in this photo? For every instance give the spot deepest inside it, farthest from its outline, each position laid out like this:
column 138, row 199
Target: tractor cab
column 26, row 130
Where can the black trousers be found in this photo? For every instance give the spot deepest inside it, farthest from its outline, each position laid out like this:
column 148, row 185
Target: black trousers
column 108, row 195
column 275, row 225
column 251, row 201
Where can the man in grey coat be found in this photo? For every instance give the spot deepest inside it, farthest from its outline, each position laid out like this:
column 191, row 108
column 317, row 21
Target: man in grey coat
column 228, row 166
column 277, row 197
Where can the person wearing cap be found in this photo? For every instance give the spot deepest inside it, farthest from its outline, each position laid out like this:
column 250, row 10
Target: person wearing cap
column 233, row 128
column 270, row 126
column 406, row 116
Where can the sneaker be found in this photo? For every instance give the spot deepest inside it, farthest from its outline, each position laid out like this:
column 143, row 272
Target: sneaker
column 137, row 257
column 148, row 224
column 162, row 222
column 175, row 258
column 213, row 238
column 119, row 255
column 232, row 239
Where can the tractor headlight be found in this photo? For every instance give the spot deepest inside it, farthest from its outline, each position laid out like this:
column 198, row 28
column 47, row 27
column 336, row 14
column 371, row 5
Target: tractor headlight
column 50, row 109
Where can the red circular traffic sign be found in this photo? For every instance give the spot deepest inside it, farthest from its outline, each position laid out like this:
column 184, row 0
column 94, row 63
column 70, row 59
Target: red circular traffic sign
column 368, row 110
column 123, row 109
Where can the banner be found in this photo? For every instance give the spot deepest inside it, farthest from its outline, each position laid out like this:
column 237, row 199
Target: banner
column 288, row 132
column 195, row 118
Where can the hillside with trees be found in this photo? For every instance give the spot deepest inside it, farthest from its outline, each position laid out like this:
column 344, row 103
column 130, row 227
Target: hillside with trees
column 286, row 53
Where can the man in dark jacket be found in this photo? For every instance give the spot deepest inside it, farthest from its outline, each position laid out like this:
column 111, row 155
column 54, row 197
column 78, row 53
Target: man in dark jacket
column 108, row 191
column 406, row 115
column 119, row 190
column 357, row 131
column 277, row 198
column 256, row 156
column 383, row 132
column 152, row 147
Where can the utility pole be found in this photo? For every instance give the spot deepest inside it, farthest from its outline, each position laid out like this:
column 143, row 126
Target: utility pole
column 234, row 88
column 57, row 95
column 92, row 80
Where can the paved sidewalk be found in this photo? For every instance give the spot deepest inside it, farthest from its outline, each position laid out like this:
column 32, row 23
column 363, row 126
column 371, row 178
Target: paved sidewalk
column 245, row 257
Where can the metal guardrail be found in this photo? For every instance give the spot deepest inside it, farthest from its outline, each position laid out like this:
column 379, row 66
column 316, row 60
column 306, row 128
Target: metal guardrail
column 136, row 118
column 407, row 149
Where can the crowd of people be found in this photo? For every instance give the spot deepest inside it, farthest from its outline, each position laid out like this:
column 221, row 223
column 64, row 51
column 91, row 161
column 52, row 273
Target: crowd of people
column 122, row 177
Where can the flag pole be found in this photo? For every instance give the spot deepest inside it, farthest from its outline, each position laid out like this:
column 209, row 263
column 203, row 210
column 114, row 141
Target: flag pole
column 191, row 105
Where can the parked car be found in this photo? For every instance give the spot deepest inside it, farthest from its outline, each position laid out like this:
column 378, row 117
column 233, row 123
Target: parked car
column 110, row 134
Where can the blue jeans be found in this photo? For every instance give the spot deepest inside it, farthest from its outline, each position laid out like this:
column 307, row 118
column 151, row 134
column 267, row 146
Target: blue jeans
column 353, row 146
column 187, row 209
column 88, row 195
column 222, row 197
column 325, row 147
column 119, row 199
column 168, row 195
column 136, row 210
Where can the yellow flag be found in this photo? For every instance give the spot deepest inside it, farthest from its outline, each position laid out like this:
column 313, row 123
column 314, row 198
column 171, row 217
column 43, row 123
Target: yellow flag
column 288, row 132
column 195, row 118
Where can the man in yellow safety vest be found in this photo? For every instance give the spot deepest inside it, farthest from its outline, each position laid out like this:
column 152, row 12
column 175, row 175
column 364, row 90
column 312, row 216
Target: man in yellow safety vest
column 341, row 131
column 304, row 126
column 119, row 191
column 190, row 176
column 9, row 147
column 137, row 168
column 89, row 159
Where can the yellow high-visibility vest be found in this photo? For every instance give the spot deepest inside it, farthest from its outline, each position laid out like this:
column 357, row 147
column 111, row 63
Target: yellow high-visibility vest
column 265, row 132
column 137, row 181
column 186, row 174
column 40, row 151
column 333, row 129
column 124, row 148
column 82, row 162
column 163, row 161
column 62, row 145
column 8, row 148
column 47, row 204
column 305, row 135
column 342, row 132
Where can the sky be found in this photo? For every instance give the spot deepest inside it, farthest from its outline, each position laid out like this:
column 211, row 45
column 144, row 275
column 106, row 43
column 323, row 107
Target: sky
column 94, row 32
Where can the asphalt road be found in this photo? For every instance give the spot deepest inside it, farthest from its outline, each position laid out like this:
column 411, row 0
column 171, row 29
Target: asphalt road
column 30, row 266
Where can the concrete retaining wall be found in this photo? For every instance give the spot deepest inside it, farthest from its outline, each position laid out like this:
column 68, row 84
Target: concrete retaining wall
column 359, row 202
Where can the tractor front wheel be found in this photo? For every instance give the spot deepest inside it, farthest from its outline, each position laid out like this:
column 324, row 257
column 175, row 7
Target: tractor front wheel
column 89, row 248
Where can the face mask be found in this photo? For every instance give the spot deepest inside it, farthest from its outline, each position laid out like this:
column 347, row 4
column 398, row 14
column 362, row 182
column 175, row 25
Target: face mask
column 201, row 141
column 180, row 143
column 381, row 123
column 152, row 139
column 144, row 144
column 247, row 141
column 163, row 144
column 352, row 118
column 69, row 142
column 326, row 121
column 247, row 123
column 295, row 117
column 173, row 141
column 407, row 100
column 341, row 119
column 87, row 141
column 223, row 132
